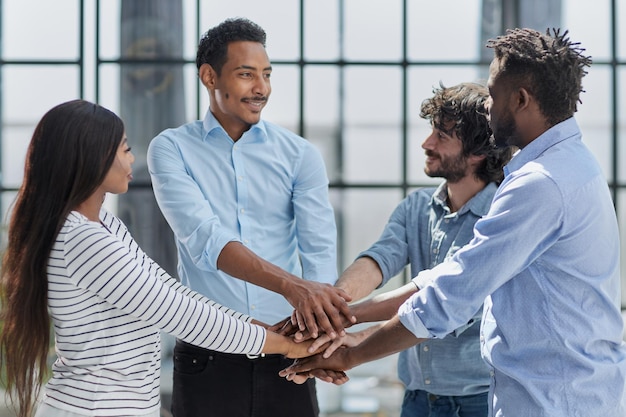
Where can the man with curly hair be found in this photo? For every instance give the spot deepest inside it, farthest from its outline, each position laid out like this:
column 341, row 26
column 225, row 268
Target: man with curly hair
column 248, row 203
column 545, row 258
column 445, row 377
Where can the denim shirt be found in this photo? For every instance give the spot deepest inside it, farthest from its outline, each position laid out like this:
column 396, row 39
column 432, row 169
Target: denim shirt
column 423, row 233
column 268, row 190
column 545, row 261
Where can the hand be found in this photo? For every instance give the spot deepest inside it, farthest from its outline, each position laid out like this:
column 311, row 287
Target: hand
column 319, row 306
column 303, row 349
column 340, row 361
column 348, row 340
column 284, row 327
column 334, row 377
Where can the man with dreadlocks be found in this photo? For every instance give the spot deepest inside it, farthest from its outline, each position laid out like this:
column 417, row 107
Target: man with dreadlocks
column 545, row 259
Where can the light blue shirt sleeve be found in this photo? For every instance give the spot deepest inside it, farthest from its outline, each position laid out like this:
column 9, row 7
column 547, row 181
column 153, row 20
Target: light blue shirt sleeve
column 315, row 220
column 182, row 202
column 545, row 261
column 268, row 190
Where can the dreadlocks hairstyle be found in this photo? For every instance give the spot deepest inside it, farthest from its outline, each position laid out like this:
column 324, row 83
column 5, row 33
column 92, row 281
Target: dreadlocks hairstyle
column 213, row 47
column 549, row 66
column 461, row 108
column 70, row 153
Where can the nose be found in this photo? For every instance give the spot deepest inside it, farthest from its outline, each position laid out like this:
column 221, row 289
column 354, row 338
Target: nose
column 429, row 141
column 262, row 86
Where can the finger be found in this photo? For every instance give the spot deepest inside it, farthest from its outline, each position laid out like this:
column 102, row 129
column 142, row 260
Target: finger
column 294, row 318
column 319, row 342
column 322, row 316
column 298, row 378
column 309, row 323
column 326, row 375
column 336, row 344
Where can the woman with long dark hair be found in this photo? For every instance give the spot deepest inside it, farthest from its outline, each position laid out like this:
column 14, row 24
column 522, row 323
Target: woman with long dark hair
column 72, row 263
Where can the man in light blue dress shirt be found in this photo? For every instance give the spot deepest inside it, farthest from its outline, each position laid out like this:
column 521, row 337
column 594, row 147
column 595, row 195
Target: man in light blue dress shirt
column 545, row 259
column 248, row 203
column 443, row 377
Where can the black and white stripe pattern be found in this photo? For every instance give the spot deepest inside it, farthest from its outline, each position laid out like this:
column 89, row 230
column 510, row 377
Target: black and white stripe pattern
column 108, row 301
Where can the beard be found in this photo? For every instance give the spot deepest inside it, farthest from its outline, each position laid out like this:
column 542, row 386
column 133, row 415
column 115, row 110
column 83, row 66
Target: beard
column 505, row 133
column 453, row 169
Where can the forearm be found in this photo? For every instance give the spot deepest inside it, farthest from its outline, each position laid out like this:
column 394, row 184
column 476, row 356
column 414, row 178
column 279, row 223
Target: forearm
column 392, row 338
column 383, row 306
column 238, row 261
column 360, row 278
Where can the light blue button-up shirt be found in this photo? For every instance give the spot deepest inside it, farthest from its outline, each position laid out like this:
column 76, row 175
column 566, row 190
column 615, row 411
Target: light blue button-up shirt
column 423, row 233
column 268, row 190
column 545, row 261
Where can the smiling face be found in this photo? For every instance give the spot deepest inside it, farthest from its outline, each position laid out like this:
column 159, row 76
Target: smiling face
column 240, row 92
column 444, row 156
column 121, row 172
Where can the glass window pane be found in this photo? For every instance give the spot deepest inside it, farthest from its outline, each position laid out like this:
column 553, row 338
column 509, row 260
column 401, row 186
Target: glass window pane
column 373, row 95
column 29, row 91
column 621, row 126
column 594, row 115
column 40, row 36
column 321, row 114
column 283, row 33
column 594, row 37
column 373, row 30
column 109, row 36
column 621, row 30
column 15, row 141
column 321, row 30
column 621, row 216
column 444, row 30
column 372, row 137
column 283, row 107
column 361, row 217
column 372, row 154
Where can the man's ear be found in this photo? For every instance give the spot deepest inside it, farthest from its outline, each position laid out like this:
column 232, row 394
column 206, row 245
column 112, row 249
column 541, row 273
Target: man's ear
column 523, row 99
column 207, row 75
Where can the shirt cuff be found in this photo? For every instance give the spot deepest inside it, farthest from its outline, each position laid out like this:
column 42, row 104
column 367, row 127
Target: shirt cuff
column 423, row 279
column 409, row 318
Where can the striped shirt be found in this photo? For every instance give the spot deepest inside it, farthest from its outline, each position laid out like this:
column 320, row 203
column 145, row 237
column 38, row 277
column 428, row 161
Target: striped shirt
column 108, row 302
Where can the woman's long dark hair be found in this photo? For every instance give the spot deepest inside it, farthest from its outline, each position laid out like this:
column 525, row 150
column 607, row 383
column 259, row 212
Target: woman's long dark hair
column 71, row 151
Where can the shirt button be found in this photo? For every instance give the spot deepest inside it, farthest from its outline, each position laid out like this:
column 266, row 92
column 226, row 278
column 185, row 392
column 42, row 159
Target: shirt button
column 426, row 349
column 245, row 241
column 252, row 307
column 435, row 250
column 242, row 210
column 427, row 381
column 240, row 178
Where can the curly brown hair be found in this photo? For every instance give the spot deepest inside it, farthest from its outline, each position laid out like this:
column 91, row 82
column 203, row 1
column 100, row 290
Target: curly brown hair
column 549, row 66
column 461, row 108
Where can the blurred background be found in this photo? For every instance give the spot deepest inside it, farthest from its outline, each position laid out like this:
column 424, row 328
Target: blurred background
column 349, row 75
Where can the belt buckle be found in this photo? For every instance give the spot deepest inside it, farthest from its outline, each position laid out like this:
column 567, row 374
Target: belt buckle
column 251, row 356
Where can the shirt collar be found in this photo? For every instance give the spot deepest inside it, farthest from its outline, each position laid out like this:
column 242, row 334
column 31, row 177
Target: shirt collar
column 256, row 133
column 479, row 204
column 556, row 134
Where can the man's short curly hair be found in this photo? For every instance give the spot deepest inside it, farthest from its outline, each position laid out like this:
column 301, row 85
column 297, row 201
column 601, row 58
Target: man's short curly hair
column 461, row 109
column 213, row 46
column 548, row 65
